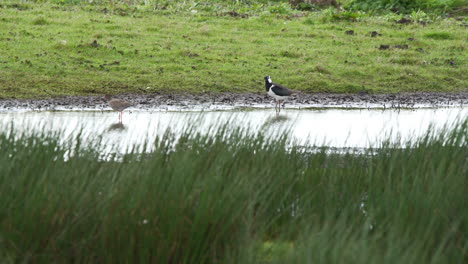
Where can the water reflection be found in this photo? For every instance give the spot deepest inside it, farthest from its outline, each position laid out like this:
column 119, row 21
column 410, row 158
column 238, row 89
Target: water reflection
column 116, row 127
column 276, row 119
column 332, row 127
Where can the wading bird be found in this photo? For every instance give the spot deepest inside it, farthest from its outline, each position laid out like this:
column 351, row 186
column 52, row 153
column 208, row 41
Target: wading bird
column 117, row 105
column 277, row 91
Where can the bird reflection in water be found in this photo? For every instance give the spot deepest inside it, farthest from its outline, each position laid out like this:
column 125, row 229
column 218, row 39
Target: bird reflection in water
column 117, row 127
column 275, row 120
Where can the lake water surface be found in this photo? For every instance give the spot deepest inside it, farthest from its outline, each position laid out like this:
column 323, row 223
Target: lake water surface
column 329, row 127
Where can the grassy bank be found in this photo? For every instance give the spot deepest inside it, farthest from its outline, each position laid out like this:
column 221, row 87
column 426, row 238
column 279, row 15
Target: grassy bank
column 51, row 49
column 233, row 199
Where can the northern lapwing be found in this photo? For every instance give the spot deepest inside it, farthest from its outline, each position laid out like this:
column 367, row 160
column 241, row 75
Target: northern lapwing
column 117, row 105
column 277, row 91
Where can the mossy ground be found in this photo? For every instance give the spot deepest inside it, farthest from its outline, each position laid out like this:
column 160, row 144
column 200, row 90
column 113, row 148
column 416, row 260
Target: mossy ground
column 49, row 50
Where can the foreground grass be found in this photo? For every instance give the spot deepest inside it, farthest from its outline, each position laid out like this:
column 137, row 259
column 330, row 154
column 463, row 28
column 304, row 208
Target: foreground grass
column 49, row 50
column 233, row 199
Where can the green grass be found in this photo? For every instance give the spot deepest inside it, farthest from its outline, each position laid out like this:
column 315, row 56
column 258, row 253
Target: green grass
column 49, row 50
column 233, row 198
column 406, row 6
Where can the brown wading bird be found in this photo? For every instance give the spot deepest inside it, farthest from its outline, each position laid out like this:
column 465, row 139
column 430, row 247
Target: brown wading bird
column 117, row 104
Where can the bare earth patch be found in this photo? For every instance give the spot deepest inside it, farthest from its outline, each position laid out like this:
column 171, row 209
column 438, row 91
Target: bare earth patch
column 226, row 101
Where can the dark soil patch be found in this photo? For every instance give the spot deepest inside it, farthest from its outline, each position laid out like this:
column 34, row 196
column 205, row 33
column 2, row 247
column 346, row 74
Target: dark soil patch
column 404, row 21
column 384, row 47
column 401, row 46
column 235, row 14
column 374, row 34
column 94, row 44
column 186, row 101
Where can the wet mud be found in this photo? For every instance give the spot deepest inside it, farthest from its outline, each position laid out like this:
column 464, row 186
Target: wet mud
column 224, row 101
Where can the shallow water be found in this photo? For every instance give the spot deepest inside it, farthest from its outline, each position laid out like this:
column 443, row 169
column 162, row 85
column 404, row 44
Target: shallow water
column 329, row 127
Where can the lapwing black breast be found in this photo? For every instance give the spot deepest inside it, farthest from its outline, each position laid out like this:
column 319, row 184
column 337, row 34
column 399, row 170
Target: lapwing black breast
column 277, row 91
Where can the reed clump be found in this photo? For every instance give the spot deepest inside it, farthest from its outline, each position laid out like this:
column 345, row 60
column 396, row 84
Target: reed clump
column 234, row 198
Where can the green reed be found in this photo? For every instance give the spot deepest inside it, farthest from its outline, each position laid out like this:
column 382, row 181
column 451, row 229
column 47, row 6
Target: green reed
column 233, row 198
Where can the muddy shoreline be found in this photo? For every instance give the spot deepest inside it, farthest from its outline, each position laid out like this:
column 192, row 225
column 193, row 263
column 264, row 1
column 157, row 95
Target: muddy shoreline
column 227, row 101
